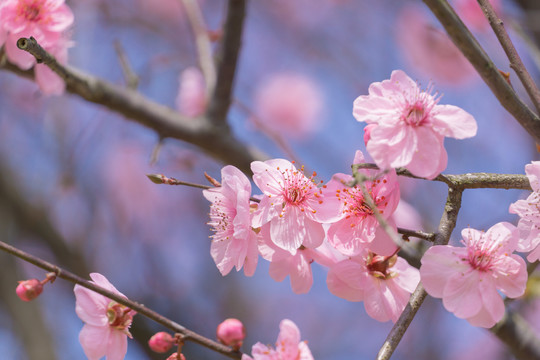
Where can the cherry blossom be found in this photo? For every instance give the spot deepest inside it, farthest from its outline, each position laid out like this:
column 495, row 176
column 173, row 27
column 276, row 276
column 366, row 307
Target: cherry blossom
column 468, row 278
column 234, row 243
column 231, row 332
column 289, row 104
column 529, row 212
column 191, row 99
column 384, row 283
column 357, row 226
column 292, row 204
column 411, row 126
column 107, row 323
column 288, row 346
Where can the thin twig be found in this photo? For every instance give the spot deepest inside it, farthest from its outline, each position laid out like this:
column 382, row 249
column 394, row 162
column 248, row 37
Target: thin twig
column 203, row 44
column 141, row 309
column 465, row 41
column 515, row 61
column 132, row 80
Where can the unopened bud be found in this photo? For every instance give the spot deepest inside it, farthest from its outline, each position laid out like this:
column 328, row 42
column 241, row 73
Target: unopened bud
column 155, row 178
column 29, row 289
column 161, row 342
column 231, row 332
column 176, row 357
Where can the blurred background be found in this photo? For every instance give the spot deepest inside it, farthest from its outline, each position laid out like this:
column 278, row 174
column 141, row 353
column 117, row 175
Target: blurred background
column 73, row 188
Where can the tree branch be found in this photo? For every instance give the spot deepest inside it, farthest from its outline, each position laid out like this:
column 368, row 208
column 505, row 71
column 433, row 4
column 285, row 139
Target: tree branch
column 141, row 309
column 472, row 50
column 227, row 60
column 215, row 141
column 515, row 61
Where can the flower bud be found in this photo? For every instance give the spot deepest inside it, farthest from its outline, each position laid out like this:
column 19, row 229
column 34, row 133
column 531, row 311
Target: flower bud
column 367, row 132
column 231, row 332
column 176, row 357
column 29, row 289
column 161, row 342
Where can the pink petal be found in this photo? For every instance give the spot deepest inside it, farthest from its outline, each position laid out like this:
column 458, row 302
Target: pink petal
column 288, row 339
column 383, row 243
column 462, row 295
column 492, row 301
column 392, row 146
column 117, row 347
column 344, row 280
column 430, row 158
column 381, row 303
column 408, row 277
column 533, row 173
column 511, row 276
column 305, row 353
column 49, row 82
column 439, row 263
column 372, row 109
column 505, row 234
column 94, row 341
column 301, row 275
column 314, row 234
column 452, row 121
column 90, row 306
column 288, row 232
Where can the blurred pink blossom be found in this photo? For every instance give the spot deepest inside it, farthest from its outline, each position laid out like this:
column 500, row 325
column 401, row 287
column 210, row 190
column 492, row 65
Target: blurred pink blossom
column 472, row 15
column 430, row 50
column 357, row 227
column 529, row 213
column 107, row 323
column 48, row 81
column 384, row 283
column 411, row 126
column 234, row 243
column 191, row 99
column 45, row 20
column 289, row 104
column 288, row 346
column 292, row 204
column 468, row 278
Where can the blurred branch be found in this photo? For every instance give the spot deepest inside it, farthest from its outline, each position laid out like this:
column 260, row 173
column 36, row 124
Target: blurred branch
column 227, row 60
column 141, row 309
column 518, row 336
column 446, row 226
column 132, row 80
column 472, row 50
column 218, row 142
column 203, row 43
column 515, row 61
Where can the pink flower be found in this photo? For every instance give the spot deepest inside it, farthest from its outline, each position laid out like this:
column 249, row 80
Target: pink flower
column 357, row 226
column 292, row 204
column 529, row 212
column 288, row 346
column 297, row 266
column 384, row 283
column 430, row 50
column 45, row 20
column 107, row 323
column 191, row 99
column 411, row 126
column 28, row 290
column 161, row 342
column 468, row 278
column 234, row 242
column 289, row 104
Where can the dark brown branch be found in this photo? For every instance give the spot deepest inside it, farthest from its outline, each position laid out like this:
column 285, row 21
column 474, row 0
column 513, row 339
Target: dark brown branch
column 446, row 226
column 417, row 234
column 227, row 60
column 472, row 50
column 515, row 61
column 140, row 309
column 220, row 144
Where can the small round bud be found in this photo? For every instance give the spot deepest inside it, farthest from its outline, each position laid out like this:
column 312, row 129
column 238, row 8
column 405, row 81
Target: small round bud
column 231, row 332
column 161, row 342
column 29, row 289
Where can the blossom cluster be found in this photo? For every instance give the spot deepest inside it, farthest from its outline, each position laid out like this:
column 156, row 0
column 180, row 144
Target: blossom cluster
column 297, row 221
column 46, row 21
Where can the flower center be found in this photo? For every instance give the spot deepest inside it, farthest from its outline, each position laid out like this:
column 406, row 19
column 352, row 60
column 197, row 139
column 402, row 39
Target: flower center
column 379, row 266
column 120, row 317
column 355, row 204
column 220, row 220
column 416, row 115
column 297, row 188
column 30, row 10
column 417, row 106
column 482, row 253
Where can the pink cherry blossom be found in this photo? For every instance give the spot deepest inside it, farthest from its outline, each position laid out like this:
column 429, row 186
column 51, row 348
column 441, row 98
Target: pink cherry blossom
column 289, row 104
column 357, row 227
column 234, row 243
column 231, row 332
column 45, row 20
column 297, row 266
column 191, row 99
column 468, row 278
column 107, row 323
column 411, row 126
column 529, row 212
column 384, row 283
column 292, row 204
column 288, row 346
column 430, row 50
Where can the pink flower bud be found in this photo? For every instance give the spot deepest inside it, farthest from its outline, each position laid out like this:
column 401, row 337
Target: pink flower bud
column 176, row 357
column 367, row 132
column 29, row 289
column 161, row 342
column 231, row 332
